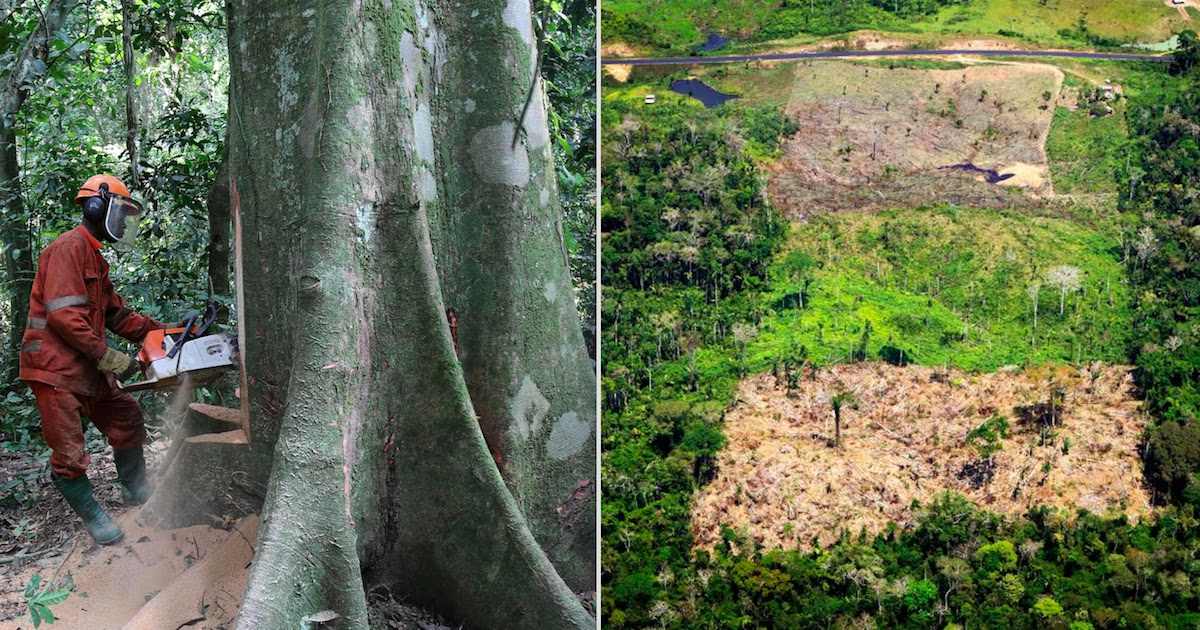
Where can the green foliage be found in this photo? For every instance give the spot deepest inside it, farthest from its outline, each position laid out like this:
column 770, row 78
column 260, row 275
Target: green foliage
column 1084, row 151
column 996, row 558
column 1047, row 608
column 680, row 25
column 986, row 437
column 40, row 598
column 568, row 45
column 919, row 600
column 936, row 286
column 687, row 243
column 1187, row 54
column 945, row 286
column 1160, row 198
column 1173, row 455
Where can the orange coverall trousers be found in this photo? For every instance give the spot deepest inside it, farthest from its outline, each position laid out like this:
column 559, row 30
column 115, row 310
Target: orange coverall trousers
column 116, row 414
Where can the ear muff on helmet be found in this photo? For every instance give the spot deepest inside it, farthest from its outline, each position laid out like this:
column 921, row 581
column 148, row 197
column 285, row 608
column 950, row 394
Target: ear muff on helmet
column 93, row 210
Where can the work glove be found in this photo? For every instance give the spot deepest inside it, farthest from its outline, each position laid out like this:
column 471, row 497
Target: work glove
column 119, row 364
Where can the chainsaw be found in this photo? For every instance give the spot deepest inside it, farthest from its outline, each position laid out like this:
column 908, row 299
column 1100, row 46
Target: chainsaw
column 173, row 356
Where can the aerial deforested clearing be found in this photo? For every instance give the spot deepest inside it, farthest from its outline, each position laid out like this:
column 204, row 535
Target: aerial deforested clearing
column 874, row 136
column 912, row 433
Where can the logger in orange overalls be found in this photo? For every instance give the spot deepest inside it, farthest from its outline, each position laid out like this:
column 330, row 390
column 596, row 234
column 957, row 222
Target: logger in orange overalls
column 66, row 360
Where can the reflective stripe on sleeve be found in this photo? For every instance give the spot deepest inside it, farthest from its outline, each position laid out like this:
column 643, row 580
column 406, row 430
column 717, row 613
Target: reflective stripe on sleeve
column 32, row 346
column 65, row 301
column 36, row 323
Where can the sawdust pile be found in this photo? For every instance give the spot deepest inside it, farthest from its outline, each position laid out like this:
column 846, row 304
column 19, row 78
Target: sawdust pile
column 780, row 481
column 873, row 137
column 153, row 579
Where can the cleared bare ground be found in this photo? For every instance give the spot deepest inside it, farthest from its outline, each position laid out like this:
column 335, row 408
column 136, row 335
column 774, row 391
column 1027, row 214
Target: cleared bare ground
column 781, row 482
column 873, row 137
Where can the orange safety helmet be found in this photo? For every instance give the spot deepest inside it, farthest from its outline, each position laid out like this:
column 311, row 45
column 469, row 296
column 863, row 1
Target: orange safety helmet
column 91, row 187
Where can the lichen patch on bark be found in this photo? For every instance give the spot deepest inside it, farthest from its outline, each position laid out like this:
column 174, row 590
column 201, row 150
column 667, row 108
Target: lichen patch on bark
column 529, row 407
column 569, row 435
column 410, row 54
column 516, row 15
column 423, row 132
column 287, row 79
column 537, row 130
column 364, row 216
column 496, row 160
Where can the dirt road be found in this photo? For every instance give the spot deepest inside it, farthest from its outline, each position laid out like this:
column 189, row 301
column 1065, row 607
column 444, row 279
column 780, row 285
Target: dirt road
column 835, row 54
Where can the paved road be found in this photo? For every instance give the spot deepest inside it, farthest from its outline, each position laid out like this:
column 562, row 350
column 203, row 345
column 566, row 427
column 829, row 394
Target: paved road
column 882, row 53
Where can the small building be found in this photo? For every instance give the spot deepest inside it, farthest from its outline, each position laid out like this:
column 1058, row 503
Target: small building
column 1178, row 1
column 650, row 99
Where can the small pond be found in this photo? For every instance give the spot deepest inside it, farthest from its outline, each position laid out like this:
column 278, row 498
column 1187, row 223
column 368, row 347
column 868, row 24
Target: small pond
column 700, row 91
column 714, row 42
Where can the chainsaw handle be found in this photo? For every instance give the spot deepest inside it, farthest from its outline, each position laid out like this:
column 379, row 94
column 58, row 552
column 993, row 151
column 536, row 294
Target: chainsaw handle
column 187, row 328
column 209, row 317
column 190, row 333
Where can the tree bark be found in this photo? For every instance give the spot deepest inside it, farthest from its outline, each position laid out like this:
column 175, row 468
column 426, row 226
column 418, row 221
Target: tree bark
column 14, row 231
column 372, row 155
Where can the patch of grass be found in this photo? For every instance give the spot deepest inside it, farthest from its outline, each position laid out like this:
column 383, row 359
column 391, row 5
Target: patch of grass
column 679, row 25
column 682, row 24
column 1084, row 151
column 946, row 286
column 1043, row 21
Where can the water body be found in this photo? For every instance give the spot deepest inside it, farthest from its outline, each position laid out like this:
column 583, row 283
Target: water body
column 1163, row 46
column 715, row 42
column 993, row 177
column 700, row 91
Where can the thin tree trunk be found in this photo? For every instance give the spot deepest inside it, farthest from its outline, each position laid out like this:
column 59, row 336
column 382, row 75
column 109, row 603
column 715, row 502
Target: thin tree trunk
column 17, row 250
column 131, row 124
column 371, row 153
column 219, row 242
column 14, row 231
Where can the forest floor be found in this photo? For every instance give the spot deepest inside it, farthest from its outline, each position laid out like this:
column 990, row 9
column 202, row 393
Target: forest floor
column 154, row 579
column 874, row 137
column 111, row 584
column 916, row 432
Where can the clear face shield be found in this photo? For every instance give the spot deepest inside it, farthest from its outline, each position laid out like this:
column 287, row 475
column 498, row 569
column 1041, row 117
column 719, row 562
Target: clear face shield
column 122, row 218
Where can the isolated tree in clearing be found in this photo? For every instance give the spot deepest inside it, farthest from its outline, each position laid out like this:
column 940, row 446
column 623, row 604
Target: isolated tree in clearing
column 423, row 406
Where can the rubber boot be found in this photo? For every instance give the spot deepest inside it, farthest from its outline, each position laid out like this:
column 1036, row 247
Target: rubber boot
column 78, row 493
column 131, row 476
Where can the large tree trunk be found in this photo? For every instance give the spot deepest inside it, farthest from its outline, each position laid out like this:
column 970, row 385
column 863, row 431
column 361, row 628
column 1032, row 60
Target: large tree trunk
column 15, row 241
column 408, row 295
